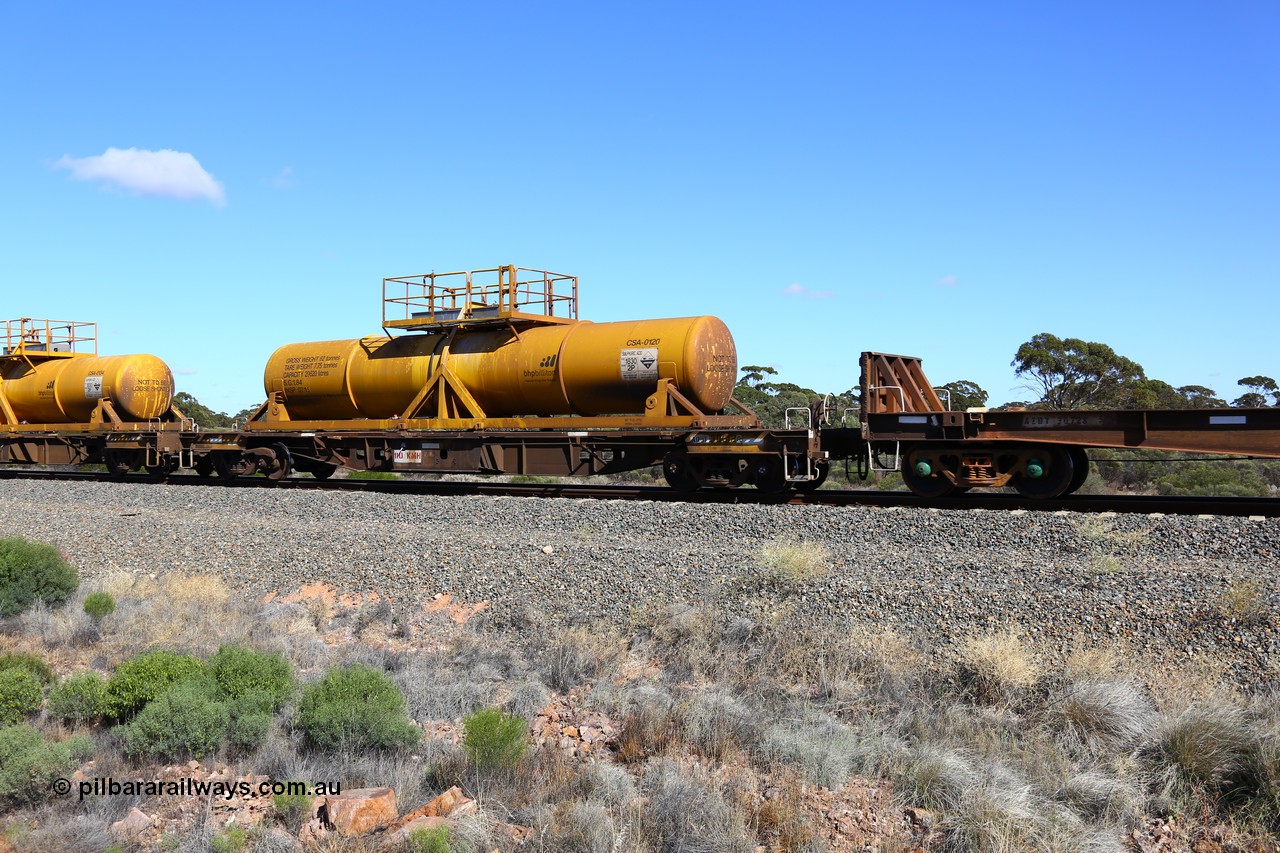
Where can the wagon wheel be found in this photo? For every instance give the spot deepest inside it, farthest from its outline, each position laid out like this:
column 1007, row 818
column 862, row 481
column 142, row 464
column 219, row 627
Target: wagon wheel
column 283, row 463
column 1080, row 460
column 678, row 471
column 322, row 470
column 923, row 478
column 120, row 462
column 769, row 476
column 1059, row 471
column 161, row 469
column 204, row 466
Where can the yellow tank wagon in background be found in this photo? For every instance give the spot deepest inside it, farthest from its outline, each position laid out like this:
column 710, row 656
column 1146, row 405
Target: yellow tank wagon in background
column 52, row 381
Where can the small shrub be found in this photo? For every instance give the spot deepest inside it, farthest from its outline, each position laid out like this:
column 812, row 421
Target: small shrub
column 29, row 763
column 435, row 840
column 239, row 671
column 185, row 721
column 247, row 732
column 356, row 707
column 81, row 697
column 31, row 572
column 99, row 604
column 494, row 740
column 139, row 680
column 231, row 840
column 20, row 695
column 293, row 808
column 31, row 663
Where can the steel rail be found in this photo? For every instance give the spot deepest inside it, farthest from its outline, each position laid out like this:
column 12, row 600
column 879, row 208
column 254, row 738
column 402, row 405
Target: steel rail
column 994, row 501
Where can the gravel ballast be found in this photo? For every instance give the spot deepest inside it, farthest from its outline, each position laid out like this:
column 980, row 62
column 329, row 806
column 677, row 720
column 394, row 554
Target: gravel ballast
column 1171, row 589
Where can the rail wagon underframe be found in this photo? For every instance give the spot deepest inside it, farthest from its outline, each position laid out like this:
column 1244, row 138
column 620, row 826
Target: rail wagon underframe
column 1040, row 453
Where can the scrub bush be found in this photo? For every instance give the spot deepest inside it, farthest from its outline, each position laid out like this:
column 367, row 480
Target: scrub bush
column 99, row 604
column 81, row 697
column 31, row 572
column 140, row 679
column 20, row 694
column 187, row 720
column 356, row 707
column 494, row 740
column 31, row 663
column 240, row 671
column 29, row 763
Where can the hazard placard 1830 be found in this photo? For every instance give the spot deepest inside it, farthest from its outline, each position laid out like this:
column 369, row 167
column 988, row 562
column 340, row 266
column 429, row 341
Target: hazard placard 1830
column 639, row 364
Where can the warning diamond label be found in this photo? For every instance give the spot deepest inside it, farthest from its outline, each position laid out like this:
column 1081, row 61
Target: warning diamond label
column 639, row 364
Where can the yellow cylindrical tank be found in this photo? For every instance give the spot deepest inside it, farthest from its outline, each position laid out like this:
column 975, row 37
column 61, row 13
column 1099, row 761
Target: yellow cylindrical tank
column 66, row 390
column 575, row 368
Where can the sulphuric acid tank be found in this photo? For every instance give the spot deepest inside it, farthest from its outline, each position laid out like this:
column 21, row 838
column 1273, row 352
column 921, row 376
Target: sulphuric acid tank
column 579, row 368
column 66, row 390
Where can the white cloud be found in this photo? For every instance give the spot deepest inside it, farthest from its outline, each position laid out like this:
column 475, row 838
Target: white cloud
column 285, row 179
column 184, row 371
column 947, row 281
column 164, row 174
column 796, row 289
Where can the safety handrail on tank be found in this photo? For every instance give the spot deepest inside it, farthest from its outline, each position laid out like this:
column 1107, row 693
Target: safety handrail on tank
column 28, row 337
column 501, row 295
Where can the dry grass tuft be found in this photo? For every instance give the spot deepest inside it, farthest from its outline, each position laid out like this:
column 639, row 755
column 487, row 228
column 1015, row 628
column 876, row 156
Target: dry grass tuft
column 997, row 667
column 578, row 655
column 1103, row 716
column 687, row 813
column 177, row 611
column 1101, row 532
column 650, row 726
column 823, row 750
column 1099, row 796
column 1245, row 600
column 718, row 724
column 939, row 778
column 791, row 561
column 1096, row 662
column 1202, row 751
column 992, row 817
column 781, row 820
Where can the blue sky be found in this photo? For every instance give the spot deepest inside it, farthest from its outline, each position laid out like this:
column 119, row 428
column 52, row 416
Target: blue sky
column 934, row 179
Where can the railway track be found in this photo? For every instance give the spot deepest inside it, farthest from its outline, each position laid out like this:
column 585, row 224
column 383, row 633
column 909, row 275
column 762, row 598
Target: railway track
column 992, row 501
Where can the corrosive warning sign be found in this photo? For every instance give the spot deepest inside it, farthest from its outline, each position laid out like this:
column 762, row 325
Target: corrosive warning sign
column 638, row 364
column 93, row 387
